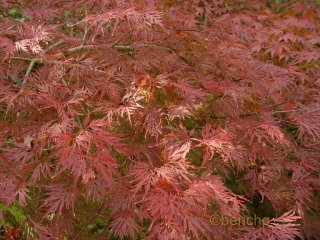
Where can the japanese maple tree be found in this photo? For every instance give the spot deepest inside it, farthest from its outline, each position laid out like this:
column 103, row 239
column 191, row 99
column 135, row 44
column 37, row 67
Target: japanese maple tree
column 143, row 119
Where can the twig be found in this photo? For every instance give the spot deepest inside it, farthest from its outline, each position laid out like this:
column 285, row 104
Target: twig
column 86, row 30
column 25, row 59
column 31, row 65
column 78, row 48
column 54, row 45
column 33, row 61
column 39, row 60
column 286, row 111
column 36, row 60
column 82, row 46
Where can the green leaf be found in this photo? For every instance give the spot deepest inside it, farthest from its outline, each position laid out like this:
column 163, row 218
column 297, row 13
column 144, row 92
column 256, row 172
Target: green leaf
column 3, row 206
column 13, row 11
column 17, row 212
column 16, row 14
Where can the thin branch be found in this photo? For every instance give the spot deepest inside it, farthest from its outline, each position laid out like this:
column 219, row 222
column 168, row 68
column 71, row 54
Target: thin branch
column 54, row 45
column 25, row 59
column 31, row 65
column 36, row 60
column 286, row 111
column 33, row 61
column 39, row 60
column 86, row 29
column 78, row 48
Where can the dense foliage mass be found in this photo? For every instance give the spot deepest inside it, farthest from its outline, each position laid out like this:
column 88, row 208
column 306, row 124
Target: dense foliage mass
column 144, row 119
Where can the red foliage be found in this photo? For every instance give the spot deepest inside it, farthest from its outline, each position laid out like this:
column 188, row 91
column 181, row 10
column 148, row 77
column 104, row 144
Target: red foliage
column 164, row 112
